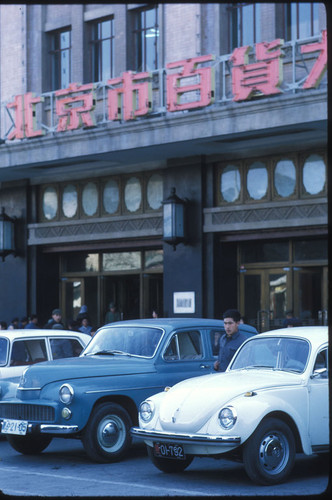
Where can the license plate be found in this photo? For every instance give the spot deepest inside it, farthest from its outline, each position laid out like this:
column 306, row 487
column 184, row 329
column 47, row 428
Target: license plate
column 14, row 427
column 169, row 450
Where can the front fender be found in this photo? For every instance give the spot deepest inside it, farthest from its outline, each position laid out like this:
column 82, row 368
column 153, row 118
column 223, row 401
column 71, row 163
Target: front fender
column 251, row 409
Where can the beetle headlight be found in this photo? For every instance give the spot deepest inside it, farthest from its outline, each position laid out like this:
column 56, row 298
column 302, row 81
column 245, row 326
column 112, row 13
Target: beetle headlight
column 146, row 411
column 227, row 417
column 66, row 394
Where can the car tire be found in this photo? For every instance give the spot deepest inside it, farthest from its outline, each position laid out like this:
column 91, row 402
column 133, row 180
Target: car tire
column 169, row 465
column 269, row 454
column 106, row 437
column 29, row 445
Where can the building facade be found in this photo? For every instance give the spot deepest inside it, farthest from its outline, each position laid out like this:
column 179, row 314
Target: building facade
column 107, row 107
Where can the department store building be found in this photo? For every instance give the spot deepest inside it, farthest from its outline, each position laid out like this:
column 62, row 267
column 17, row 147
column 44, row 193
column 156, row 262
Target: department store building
column 105, row 108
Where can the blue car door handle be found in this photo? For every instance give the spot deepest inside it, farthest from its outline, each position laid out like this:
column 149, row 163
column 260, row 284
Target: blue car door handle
column 204, row 366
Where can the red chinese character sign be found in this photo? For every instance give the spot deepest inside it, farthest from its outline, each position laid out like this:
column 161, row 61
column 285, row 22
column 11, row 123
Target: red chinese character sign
column 320, row 65
column 132, row 98
column 25, row 116
column 75, row 106
column 260, row 78
column 176, row 88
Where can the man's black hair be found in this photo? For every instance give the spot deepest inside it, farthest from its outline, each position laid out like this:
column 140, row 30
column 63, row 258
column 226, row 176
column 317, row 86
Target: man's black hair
column 232, row 313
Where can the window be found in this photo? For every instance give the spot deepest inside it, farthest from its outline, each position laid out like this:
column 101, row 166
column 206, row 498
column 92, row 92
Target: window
column 184, row 345
column 146, row 39
column 102, row 50
column 65, row 348
column 244, row 25
column 60, row 59
column 293, row 176
column 27, row 352
column 301, row 20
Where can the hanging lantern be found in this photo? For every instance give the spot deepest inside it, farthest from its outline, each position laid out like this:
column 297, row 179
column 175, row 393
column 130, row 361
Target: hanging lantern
column 173, row 219
column 7, row 235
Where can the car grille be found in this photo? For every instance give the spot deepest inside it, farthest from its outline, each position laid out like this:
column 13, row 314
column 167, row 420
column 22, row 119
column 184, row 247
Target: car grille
column 27, row 412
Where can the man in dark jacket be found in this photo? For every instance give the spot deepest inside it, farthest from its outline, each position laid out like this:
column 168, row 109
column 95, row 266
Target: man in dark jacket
column 55, row 320
column 231, row 340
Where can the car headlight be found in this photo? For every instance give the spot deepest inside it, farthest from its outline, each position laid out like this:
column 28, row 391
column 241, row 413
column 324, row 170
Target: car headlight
column 227, row 417
column 146, row 411
column 66, row 394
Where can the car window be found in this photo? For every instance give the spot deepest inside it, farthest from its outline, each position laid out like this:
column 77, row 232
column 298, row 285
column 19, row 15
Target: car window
column 3, row 351
column 65, row 348
column 27, row 352
column 184, row 345
column 321, row 362
column 277, row 353
column 215, row 339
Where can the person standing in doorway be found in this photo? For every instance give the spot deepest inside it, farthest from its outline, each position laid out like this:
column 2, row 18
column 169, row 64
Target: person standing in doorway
column 229, row 341
column 112, row 315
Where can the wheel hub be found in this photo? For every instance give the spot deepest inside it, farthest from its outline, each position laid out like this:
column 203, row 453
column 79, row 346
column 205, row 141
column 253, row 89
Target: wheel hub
column 110, row 434
column 272, row 453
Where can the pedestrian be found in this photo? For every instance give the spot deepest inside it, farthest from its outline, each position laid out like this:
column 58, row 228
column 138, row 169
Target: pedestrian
column 24, row 322
column 14, row 325
column 73, row 325
column 3, row 325
column 229, row 341
column 290, row 320
column 155, row 313
column 55, row 320
column 33, row 322
column 112, row 315
column 85, row 326
column 82, row 314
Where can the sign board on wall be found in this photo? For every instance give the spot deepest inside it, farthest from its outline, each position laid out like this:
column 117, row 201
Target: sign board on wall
column 183, row 302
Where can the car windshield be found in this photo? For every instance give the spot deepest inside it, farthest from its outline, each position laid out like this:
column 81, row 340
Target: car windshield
column 287, row 354
column 3, row 351
column 136, row 341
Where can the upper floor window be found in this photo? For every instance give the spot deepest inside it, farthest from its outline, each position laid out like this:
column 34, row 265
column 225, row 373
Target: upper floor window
column 244, row 25
column 60, row 43
column 301, row 20
column 146, row 33
column 102, row 50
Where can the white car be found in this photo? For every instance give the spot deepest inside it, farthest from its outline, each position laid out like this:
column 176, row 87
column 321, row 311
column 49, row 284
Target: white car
column 271, row 403
column 20, row 348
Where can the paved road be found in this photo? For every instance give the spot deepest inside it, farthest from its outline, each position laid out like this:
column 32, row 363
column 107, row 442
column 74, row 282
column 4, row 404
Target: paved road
column 63, row 469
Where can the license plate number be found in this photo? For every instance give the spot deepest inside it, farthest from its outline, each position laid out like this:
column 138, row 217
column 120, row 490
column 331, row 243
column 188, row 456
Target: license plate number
column 169, row 450
column 14, row 427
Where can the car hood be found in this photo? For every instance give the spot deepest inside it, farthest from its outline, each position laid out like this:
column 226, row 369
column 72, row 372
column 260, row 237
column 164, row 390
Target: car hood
column 189, row 404
column 41, row 374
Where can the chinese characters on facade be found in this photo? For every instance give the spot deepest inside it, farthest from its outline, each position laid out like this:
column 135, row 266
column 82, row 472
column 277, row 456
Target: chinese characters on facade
column 188, row 86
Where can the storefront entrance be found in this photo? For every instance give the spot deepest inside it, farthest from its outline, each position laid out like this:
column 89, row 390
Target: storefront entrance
column 132, row 280
column 268, row 291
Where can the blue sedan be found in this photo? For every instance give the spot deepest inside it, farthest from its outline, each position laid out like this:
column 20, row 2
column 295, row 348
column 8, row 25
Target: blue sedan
column 96, row 396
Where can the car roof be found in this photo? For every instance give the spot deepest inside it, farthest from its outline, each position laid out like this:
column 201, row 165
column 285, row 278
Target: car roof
column 171, row 323
column 39, row 332
column 317, row 335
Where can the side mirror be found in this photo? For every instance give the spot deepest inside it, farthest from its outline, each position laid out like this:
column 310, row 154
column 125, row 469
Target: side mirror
column 319, row 372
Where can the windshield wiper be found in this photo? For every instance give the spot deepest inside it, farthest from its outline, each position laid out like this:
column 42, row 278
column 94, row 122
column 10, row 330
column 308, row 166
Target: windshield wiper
column 108, row 352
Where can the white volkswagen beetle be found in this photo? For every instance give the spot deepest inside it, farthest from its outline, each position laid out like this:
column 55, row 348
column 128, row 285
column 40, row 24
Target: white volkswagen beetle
column 271, row 403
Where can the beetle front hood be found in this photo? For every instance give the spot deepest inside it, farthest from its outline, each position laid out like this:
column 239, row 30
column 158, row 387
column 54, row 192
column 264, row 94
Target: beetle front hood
column 189, row 404
column 66, row 369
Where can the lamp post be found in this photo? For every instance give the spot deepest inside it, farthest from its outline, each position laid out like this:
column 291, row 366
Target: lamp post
column 173, row 219
column 7, row 235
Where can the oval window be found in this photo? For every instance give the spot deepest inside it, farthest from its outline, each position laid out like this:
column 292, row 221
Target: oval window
column 230, row 183
column 133, row 194
column 314, row 174
column 50, row 203
column 285, row 177
column 257, row 180
column 111, row 197
column 155, row 191
column 69, row 201
column 90, row 198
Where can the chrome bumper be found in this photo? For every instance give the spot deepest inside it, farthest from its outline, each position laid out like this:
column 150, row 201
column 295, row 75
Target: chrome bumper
column 58, row 429
column 204, row 439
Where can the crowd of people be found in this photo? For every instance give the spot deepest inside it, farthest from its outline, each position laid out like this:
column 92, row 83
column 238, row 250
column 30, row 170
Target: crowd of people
column 79, row 324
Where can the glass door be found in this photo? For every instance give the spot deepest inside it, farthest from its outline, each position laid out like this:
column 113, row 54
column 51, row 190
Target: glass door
column 264, row 297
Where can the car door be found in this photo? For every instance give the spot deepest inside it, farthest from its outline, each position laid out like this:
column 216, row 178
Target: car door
column 184, row 356
column 319, row 401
